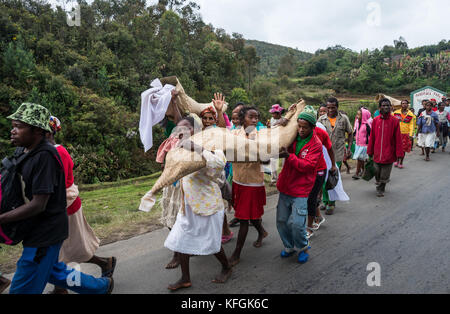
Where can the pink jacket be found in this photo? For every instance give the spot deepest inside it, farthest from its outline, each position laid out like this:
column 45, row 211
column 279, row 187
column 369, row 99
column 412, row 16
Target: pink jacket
column 362, row 138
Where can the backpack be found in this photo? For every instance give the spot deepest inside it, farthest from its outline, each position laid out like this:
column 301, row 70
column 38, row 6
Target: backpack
column 368, row 130
column 12, row 193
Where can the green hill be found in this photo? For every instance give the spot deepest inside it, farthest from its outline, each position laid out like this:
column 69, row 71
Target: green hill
column 271, row 55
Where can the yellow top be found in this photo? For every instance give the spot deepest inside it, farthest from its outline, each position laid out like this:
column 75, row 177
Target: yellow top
column 247, row 173
column 407, row 122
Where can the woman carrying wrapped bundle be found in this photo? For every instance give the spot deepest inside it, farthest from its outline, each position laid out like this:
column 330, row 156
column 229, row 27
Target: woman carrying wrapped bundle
column 198, row 228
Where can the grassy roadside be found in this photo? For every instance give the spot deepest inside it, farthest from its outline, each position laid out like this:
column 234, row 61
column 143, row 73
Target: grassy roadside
column 112, row 211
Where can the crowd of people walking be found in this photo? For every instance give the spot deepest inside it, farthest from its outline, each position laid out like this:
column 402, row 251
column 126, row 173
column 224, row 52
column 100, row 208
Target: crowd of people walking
column 194, row 208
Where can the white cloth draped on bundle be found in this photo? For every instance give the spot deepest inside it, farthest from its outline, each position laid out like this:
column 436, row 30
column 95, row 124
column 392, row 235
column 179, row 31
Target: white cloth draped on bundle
column 154, row 104
column 338, row 193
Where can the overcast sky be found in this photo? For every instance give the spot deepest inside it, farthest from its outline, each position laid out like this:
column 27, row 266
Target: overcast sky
column 313, row 24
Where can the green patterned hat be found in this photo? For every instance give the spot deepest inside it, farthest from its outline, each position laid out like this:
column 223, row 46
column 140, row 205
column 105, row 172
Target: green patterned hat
column 33, row 114
column 308, row 116
column 310, row 109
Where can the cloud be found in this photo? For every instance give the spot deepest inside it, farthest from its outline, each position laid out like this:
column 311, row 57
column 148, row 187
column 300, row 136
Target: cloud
column 310, row 25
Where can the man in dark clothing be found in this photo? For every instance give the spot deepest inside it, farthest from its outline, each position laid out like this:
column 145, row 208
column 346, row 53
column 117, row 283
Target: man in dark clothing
column 45, row 207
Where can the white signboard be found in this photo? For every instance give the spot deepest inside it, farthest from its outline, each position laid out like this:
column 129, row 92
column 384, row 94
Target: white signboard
column 428, row 93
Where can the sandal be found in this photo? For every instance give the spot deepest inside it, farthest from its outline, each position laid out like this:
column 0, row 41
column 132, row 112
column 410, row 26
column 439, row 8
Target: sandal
column 110, row 272
column 309, row 233
column 226, row 239
column 303, row 257
column 319, row 223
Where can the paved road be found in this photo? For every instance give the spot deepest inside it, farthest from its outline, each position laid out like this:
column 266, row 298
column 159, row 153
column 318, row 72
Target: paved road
column 407, row 233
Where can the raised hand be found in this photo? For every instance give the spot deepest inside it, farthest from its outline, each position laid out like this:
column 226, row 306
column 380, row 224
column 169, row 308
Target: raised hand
column 218, row 101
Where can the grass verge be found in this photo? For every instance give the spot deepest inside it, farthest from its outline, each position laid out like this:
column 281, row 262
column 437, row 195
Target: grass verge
column 112, row 211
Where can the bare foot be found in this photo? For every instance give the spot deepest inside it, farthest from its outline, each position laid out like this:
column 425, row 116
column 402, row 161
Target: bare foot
column 179, row 285
column 233, row 261
column 173, row 264
column 258, row 243
column 223, row 276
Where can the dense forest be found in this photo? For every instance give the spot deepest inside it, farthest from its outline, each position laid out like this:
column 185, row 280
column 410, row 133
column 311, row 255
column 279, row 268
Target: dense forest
column 393, row 69
column 272, row 56
column 91, row 76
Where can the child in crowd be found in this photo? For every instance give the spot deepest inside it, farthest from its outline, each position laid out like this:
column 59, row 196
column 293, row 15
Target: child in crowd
column 249, row 193
column 362, row 129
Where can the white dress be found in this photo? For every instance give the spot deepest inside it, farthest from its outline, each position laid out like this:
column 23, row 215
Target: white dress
column 338, row 193
column 196, row 235
column 198, row 231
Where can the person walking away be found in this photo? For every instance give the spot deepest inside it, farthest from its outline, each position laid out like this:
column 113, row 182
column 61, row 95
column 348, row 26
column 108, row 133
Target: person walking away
column 444, row 118
column 362, row 133
column 295, row 184
column 81, row 245
column 407, row 127
column 385, row 145
column 428, row 128
column 337, row 125
column 249, row 193
column 43, row 176
column 198, row 228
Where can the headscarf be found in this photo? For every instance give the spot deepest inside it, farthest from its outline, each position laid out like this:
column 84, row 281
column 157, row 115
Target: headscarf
column 55, row 124
column 211, row 110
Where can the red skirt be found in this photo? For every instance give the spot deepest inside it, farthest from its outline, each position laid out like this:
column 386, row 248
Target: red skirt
column 249, row 201
column 406, row 143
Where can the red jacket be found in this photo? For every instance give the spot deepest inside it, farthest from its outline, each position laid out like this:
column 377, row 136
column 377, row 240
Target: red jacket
column 299, row 172
column 324, row 138
column 68, row 171
column 385, row 143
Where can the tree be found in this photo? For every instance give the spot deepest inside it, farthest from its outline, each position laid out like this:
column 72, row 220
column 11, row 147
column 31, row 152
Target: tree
column 252, row 60
column 401, row 44
column 287, row 65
